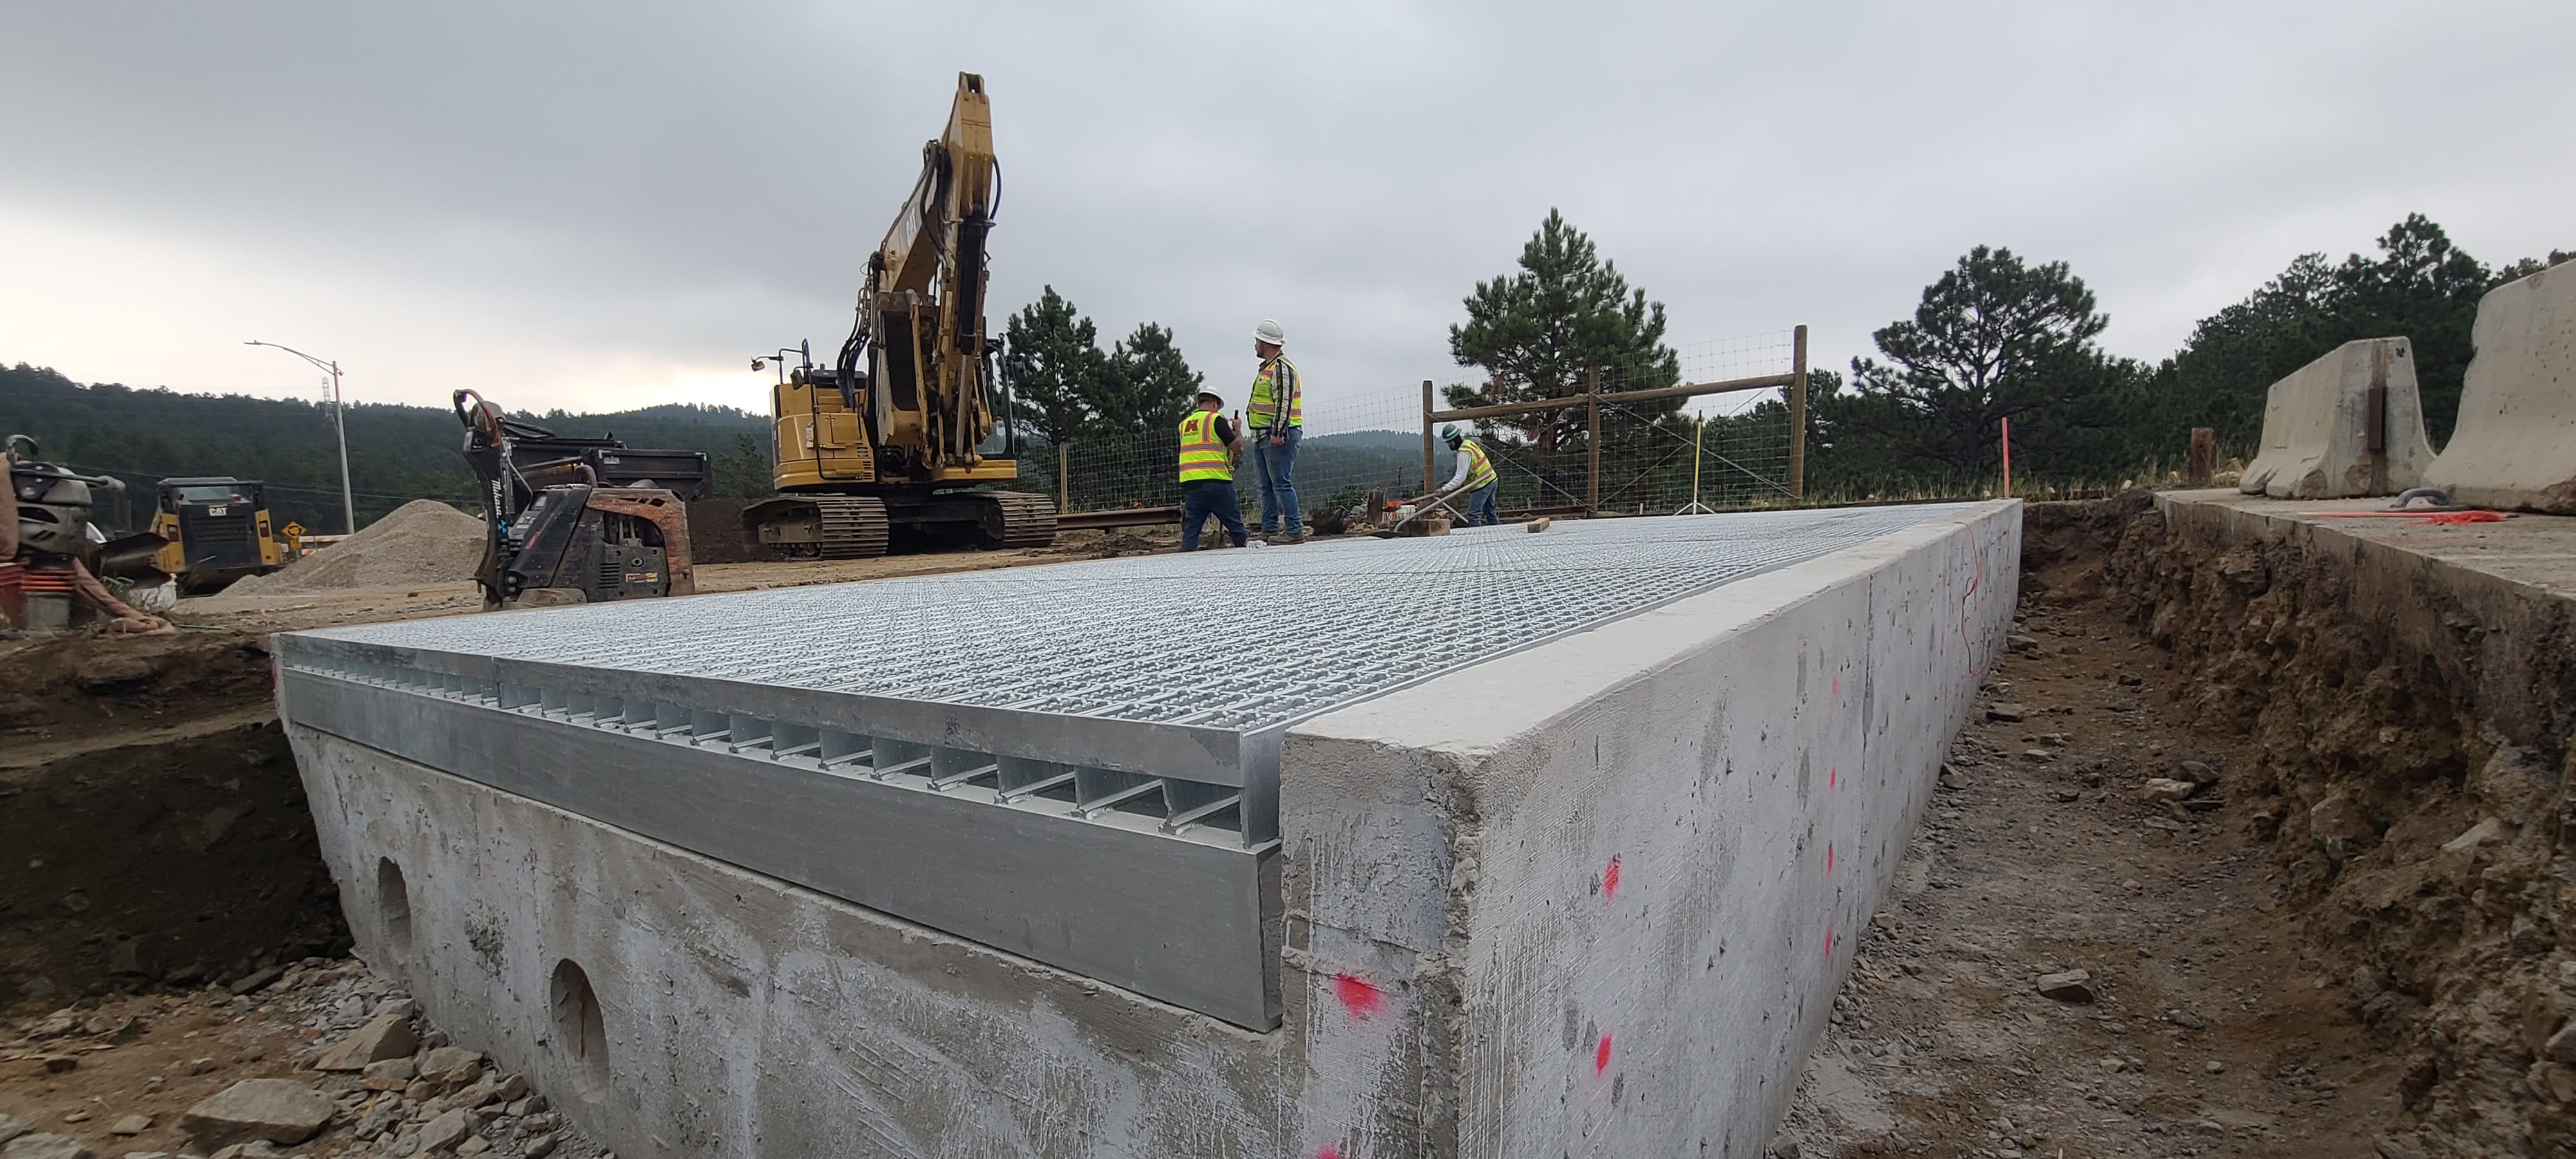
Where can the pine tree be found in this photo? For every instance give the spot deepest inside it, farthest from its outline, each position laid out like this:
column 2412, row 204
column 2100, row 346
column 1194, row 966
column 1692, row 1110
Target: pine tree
column 1146, row 384
column 1058, row 356
column 1538, row 334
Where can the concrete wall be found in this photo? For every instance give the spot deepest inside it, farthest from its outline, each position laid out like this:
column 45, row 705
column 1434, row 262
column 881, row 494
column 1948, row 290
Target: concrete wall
column 1590, row 898
column 2515, row 446
column 1601, row 893
column 2316, row 426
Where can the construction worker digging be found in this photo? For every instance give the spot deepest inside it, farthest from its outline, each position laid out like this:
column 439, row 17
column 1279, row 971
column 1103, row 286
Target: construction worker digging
column 1277, row 416
column 1474, row 477
column 1208, row 446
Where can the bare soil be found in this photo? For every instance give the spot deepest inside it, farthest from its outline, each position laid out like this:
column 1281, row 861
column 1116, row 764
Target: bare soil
column 2040, row 856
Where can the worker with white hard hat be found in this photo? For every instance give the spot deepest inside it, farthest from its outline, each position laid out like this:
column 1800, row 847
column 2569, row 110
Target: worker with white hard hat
column 1474, row 476
column 1277, row 416
column 1208, row 444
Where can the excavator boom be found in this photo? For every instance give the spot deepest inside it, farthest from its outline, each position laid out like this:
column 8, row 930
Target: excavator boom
column 893, row 431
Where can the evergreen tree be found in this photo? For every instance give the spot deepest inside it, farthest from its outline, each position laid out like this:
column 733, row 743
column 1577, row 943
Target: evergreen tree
column 1993, row 339
column 1539, row 332
column 1060, row 366
column 1145, row 384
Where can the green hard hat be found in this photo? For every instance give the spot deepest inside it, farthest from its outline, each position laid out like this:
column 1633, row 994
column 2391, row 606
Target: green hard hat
column 1449, row 433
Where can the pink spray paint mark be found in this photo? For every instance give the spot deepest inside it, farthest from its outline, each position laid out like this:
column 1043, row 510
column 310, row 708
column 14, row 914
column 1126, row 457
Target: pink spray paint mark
column 1829, row 860
column 1601, row 1055
column 1359, row 995
column 1838, row 686
column 1610, row 878
column 1833, row 777
column 1829, row 943
column 1328, row 1151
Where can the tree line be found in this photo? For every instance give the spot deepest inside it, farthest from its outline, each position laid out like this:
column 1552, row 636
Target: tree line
column 1995, row 337
column 396, row 453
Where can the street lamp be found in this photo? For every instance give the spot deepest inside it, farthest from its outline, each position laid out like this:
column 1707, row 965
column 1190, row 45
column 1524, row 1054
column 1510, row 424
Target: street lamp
column 348, row 508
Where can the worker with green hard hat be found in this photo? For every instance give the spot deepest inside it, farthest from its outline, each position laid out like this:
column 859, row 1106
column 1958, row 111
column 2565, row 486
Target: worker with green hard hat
column 1474, row 476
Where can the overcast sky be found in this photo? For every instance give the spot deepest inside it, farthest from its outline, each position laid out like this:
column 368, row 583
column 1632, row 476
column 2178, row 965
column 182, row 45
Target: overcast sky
column 608, row 205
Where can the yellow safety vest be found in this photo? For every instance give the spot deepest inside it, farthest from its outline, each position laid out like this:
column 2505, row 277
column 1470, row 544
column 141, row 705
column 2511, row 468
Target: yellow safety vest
column 1262, row 413
column 1202, row 457
column 1480, row 472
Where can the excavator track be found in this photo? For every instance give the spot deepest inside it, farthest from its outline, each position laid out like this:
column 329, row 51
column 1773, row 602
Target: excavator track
column 1018, row 519
column 853, row 526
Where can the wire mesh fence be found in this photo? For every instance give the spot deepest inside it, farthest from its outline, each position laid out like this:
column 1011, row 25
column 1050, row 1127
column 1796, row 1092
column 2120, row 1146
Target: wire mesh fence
column 1347, row 447
column 1716, row 436
column 1715, row 433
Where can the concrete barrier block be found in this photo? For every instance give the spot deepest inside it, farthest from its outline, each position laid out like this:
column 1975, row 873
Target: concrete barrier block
column 2350, row 423
column 2515, row 446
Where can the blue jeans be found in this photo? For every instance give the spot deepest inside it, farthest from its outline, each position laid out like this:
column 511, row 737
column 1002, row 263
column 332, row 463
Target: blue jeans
column 1481, row 509
column 1208, row 497
column 1278, row 491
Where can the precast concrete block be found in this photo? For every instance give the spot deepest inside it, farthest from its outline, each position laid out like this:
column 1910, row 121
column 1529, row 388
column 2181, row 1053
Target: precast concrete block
column 1581, row 885
column 2350, row 423
column 2515, row 445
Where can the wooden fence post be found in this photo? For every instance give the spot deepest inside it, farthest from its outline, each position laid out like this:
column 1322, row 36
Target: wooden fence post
column 1426, row 441
column 2204, row 449
column 1797, row 418
column 1063, row 479
column 1592, row 409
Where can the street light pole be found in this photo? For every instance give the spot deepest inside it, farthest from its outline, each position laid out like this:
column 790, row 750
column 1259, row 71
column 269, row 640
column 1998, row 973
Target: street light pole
column 340, row 426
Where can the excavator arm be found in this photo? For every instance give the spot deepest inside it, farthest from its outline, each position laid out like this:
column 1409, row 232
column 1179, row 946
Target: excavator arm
column 918, row 342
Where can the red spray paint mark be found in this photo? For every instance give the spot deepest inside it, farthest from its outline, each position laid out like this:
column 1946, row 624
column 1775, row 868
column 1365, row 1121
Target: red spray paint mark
column 1829, row 943
column 1833, row 777
column 1829, row 860
column 1838, row 686
column 1359, row 995
column 1328, row 1151
column 1610, row 878
column 1601, row 1055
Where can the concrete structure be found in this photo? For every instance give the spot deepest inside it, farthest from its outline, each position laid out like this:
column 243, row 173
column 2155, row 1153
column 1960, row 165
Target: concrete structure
column 2515, row 446
column 1578, row 891
column 2349, row 423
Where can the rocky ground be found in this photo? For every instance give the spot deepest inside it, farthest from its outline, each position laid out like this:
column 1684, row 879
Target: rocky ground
column 324, row 1057
column 2085, row 952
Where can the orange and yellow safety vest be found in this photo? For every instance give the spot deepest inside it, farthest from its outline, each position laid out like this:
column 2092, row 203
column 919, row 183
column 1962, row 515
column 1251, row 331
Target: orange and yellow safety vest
column 1202, row 456
column 1480, row 470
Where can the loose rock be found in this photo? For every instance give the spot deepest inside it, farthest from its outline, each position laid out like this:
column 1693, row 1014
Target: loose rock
column 444, row 1132
column 48, row 1147
column 277, row 1110
column 386, row 1036
column 2067, row 986
column 2166, row 789
column 11, row 1126
column 2007, row 713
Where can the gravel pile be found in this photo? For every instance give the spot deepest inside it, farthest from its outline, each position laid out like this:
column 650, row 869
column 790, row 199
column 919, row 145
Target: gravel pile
column 421, row 542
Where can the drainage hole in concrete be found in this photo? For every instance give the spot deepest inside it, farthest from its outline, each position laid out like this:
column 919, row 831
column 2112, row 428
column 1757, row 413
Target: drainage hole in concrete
column 578, row 1028
column 393, row 905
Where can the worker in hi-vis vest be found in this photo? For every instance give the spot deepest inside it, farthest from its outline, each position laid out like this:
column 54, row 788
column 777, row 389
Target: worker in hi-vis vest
column 1474, row 476
column 1277, row 416
column 1208, row 444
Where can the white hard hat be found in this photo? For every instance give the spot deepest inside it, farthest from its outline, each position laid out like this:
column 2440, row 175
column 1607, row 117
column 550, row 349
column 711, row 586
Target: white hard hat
column 1269, row 331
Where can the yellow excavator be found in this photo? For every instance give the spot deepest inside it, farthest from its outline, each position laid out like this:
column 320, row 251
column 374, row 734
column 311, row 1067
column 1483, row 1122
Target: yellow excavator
column 895, row 432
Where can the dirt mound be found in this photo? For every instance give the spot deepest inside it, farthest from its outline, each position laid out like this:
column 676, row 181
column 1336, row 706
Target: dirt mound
column 422, row 542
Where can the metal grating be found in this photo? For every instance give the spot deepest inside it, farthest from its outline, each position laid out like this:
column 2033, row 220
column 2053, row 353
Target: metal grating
column 1238, row 640
column 1077, row 763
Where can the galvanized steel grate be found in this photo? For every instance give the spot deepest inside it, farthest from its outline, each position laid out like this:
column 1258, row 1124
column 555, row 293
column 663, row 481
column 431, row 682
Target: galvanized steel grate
column 1069, row 763
column 1237, row 640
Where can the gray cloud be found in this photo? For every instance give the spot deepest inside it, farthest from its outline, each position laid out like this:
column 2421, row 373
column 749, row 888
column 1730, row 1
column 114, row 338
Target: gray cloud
column 608, row 203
